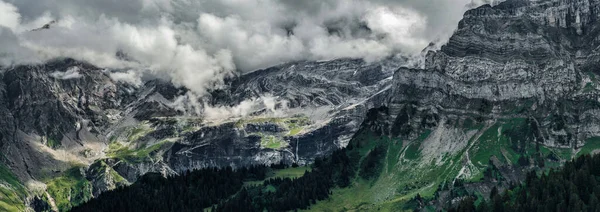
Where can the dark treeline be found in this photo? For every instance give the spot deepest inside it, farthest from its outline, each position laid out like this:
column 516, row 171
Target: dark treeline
column 189, row 191
column 574, row 187
column 224, row 190
column 291, row 194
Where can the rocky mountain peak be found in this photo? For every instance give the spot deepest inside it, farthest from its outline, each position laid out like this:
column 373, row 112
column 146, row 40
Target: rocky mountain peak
column 520, row 58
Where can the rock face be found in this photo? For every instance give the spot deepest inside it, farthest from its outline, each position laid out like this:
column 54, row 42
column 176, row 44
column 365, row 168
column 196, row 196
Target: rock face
column 69, row 112
column 531, row 59
column 103, row 178
column 331, row 97
column 515, row 85
column 515, row 89
column 49, row 120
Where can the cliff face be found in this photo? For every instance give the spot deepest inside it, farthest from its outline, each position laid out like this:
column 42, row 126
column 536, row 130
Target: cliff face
column 529, row 59
column 515, row 87
column 68, row 115
column 324, row 102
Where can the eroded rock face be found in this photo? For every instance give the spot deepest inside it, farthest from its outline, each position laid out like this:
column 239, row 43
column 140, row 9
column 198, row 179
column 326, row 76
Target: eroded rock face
column 332, row 95
column 311, row 84
column 521, row 58
column 69, row 112
column 531, row 60
column 43, row 112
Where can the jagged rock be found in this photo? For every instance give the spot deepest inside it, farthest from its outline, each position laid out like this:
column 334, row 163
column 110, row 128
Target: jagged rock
column 534, row 60
column 517, row 59
column 66, row 111
column 104, row 178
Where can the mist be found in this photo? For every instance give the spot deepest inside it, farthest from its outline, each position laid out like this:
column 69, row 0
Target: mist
column 196, row 44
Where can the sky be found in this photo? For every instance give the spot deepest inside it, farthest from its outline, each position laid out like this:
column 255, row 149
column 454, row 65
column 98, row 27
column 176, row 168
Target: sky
column 197, row 43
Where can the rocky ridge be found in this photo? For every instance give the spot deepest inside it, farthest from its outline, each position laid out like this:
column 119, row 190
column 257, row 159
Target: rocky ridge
column 514, row 89
column 67, row 114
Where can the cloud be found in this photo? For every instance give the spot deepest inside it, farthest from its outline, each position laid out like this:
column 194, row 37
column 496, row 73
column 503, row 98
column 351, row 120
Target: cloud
column 9, row 17
column 198, row 43
column 397, row 26
column 70, row 73
column 271, row 105
column 129, row 77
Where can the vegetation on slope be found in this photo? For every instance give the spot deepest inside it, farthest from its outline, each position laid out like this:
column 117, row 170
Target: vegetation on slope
column 12, row 192
column 573, row 187
column 272, row 142
column 186, row 192
column 291, row 126
column 378, row 172
column 137, row 155
column 69, row 189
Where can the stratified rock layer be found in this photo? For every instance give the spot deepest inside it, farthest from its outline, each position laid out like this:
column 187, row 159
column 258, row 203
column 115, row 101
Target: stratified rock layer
column 532, row 59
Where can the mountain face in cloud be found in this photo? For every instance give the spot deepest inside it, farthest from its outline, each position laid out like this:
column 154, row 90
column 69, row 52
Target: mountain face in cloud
column 198, row 43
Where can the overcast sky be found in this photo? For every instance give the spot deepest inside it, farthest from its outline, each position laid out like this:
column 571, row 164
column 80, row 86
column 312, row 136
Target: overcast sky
column 198, row 42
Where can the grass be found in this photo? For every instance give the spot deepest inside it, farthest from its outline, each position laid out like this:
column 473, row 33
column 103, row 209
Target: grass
column 294, row 124
column 70, row 189
column 401, row 180
column 495, row 141
column 139, row 132
column 591, row 144
column 12, row 191
column 53, row 143
column 295, row 131
column 292, row 173
column 272, row 142
column 393, row 154
column 298, row 120
column 489, row 145
column 405, row 177
column 189, row 128
column 358, row 197
column 410, row 175
column 131, row 133
column 564, row 153
column 297, row 124
column 99, row 168
column 412, row 152
column 118, row 150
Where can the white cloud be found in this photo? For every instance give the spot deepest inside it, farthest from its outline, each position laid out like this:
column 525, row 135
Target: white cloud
column 197, row 43
column 271, row 104
column 129, row 77
column 71, row 73
column 9, row 17
column 399, row 26
column 254, row 44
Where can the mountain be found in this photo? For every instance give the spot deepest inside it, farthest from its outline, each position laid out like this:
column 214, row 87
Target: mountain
column 72, row 130
column 572, row 187
column 514, row 90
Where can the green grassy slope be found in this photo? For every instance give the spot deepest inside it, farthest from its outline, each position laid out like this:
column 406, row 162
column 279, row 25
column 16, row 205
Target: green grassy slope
column 405, row 171
column 69, row 189
column 12, row 191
